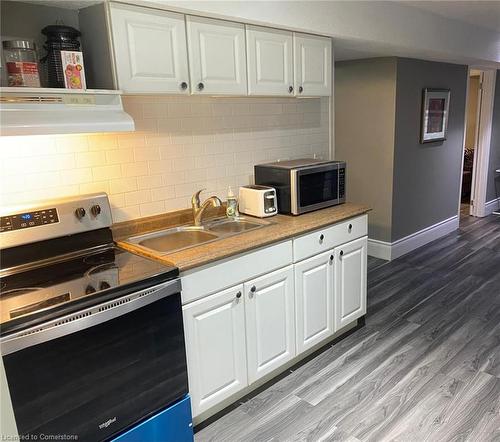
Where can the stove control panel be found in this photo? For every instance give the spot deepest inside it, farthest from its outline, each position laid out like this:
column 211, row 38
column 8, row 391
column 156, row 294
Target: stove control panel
column 28, row 219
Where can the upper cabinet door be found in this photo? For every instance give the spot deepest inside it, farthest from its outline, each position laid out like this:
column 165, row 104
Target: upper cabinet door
column 350, row 276
column 269, row 61
column 217, row 58
column 313, row 65
column 150, row 50
column 270, row 322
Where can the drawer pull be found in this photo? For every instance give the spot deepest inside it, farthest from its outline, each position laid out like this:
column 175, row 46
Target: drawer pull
column 341, row 253
column 253, row 289
column 331, row 257
column 321, row 237
column 350, row 228
column 238, row 295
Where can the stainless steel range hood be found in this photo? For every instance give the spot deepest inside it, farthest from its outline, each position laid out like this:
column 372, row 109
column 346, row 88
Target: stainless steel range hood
column 31, row 111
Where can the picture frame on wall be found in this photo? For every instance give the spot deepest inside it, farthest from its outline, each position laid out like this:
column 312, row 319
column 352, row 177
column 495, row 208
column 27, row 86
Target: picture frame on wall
column 435, row 110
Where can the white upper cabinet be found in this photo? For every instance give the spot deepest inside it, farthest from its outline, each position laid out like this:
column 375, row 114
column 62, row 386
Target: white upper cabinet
column 350, row 275
column 215, row 347
column 314, row 300
column 270, row 322
column 269, row 61
column 217, row 58
column 313, row 65
column 150, row 50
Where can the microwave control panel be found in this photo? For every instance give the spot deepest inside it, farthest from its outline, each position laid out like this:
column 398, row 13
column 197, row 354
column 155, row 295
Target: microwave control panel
column 28, row 219
column 341, row 183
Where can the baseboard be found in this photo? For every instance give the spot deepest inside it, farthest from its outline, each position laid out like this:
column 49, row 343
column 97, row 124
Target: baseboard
column 390, row 251
column 492, row 206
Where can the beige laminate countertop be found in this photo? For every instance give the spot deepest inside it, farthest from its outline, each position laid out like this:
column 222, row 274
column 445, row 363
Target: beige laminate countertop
column 283, row 227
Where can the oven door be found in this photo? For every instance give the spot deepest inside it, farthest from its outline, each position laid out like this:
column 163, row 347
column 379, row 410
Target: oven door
column 91, row 374
column 314, row 188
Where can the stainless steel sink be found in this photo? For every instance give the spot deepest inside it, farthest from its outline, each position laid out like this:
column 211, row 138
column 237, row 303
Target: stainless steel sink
column 183, row 237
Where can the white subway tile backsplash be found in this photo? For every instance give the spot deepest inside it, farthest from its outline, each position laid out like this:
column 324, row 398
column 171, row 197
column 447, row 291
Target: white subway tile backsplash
column 181, row 144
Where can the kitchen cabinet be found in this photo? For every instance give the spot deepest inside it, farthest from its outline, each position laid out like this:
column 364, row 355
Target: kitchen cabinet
column 215, row 347
column 217, row 58
column 312, row 65
column 149, row 49
column 269, row 61
column 314, row 298
column 350, row 275
column 270, row 322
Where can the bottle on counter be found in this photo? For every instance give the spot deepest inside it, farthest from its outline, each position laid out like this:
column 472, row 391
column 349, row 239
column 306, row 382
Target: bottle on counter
column 232, row 204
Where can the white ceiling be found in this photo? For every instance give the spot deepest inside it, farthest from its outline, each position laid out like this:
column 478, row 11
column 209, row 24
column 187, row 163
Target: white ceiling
column 480, row 13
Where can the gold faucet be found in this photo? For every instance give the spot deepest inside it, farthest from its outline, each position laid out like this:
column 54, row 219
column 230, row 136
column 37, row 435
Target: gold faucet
column 198, row 209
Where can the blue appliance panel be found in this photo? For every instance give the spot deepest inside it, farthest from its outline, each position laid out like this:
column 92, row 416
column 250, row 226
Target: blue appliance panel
column 173, row 424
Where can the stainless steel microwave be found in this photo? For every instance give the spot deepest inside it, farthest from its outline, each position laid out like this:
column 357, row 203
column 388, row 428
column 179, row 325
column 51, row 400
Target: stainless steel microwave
column 304, row 185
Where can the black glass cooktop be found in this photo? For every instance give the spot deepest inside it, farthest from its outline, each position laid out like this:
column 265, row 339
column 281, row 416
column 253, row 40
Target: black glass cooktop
column 60, row 285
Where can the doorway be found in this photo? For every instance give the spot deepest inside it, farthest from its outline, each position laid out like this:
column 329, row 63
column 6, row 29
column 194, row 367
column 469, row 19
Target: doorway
column 478, row 121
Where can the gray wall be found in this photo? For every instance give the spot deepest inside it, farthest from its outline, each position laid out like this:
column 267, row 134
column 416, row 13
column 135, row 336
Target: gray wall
column 365, row 92
column 494, row 179
column 427, row 177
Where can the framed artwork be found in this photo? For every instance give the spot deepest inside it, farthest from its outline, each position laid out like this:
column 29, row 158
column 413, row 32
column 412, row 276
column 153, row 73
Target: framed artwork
column 435, row 107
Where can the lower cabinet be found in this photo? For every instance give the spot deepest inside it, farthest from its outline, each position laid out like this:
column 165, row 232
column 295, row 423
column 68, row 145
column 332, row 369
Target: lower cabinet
column 350, row 276
column 215, row 347
column 314, row 296
column 270, row 322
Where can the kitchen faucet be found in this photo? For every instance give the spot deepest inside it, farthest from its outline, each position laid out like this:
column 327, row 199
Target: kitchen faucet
column 198, row 209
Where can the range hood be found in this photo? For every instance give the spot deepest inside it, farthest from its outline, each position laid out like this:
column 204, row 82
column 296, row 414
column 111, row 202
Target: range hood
column 35, row 111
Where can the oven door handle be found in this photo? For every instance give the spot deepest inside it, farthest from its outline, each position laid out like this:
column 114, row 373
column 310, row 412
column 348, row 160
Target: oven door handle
column 87, row 317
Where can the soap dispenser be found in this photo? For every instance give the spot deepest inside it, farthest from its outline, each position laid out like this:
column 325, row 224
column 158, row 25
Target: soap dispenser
column 232, row 204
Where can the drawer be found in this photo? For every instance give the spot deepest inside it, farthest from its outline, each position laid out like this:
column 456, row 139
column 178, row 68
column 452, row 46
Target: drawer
column 329, row 237
column 203, row 281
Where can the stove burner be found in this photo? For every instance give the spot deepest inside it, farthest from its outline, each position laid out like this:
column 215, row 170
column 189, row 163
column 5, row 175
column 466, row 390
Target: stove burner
column 101, row 268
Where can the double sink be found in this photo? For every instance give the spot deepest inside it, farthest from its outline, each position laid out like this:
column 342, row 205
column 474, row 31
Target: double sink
column 182, row 237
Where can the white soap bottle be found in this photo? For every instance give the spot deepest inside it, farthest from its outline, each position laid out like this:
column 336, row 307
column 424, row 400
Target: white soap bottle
column 232, row 204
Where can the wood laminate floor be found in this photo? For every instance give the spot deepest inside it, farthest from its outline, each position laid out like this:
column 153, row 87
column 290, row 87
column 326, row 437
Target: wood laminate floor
column 426, row 367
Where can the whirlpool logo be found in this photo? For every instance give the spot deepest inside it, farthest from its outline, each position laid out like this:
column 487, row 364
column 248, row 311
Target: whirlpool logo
column 107, row 423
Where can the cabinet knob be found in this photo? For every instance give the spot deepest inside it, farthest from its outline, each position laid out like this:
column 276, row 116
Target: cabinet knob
column 184, row 85
column 201, row 86
column 301, row 89
column 253, row 289
column 350, row 228
column 321, row 237
column 238, row 295
column 331, row 257
column 290, row 89
column 341, row 253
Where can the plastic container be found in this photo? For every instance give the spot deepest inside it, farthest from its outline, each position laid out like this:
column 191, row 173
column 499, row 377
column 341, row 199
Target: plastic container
column 21, row 63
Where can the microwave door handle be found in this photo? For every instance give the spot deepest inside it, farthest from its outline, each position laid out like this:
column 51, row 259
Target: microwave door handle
column 86, row 318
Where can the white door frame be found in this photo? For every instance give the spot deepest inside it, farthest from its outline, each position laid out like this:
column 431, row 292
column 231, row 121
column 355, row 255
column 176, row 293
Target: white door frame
column 482, row 154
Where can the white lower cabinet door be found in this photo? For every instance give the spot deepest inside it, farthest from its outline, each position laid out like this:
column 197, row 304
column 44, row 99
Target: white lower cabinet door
column 270, row 322
column 215, row 347
column 350, row 278
column 314, row 300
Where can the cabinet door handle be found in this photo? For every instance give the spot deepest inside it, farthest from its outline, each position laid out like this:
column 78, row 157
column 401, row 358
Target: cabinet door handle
column 341, row 253
column 331, row 257
column 350, row 228
column 301, row 89
column 184, row 85
column 321, row 237
column 238, row 295
column 290, row 89
column 201, row 86
column 253, row 289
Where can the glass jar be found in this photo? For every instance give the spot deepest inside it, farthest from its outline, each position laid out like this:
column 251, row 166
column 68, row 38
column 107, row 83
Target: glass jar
column 21, row 63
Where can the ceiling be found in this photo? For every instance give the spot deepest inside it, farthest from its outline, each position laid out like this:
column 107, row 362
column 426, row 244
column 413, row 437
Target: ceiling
column 485, row 14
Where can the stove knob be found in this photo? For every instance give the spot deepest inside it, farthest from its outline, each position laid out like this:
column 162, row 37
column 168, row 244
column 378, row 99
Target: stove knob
column 104, row 285
column 95, row 209
column 80, row 212
column 89, row 290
